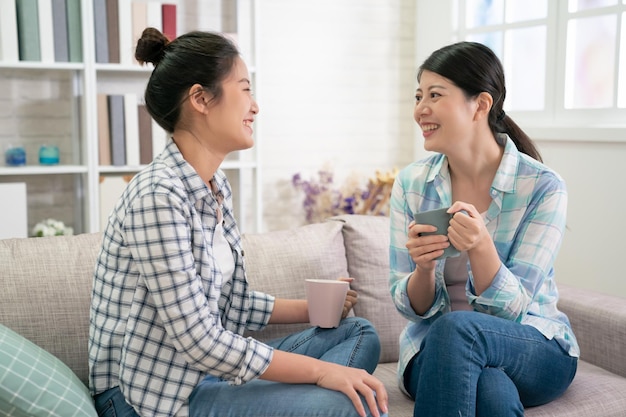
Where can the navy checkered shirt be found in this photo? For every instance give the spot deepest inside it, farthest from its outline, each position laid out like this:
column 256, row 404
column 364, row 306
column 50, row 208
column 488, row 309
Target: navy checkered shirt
column 162, row 315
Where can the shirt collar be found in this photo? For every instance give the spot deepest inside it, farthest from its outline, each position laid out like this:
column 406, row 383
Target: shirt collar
column 504, row 180
column 193, row 183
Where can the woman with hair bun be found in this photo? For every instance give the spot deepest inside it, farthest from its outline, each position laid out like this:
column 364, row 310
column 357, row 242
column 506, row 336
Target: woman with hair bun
column 170, row 300
column 485, row 337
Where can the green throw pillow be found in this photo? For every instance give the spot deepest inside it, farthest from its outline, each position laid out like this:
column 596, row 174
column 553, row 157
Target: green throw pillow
column 35, row 383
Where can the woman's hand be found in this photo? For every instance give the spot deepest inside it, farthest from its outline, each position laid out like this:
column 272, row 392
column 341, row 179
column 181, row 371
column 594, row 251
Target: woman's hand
column 423, row 249
column 467, row 230
column 352, row 382
column 351, row 298
column 292, row 368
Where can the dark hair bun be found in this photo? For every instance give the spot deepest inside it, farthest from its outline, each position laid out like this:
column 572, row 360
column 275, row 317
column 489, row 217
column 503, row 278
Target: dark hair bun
column 151, row 46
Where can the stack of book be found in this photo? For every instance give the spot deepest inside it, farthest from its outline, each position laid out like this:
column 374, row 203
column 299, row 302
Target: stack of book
column 50, row 30
column 127, row 135
column 40, row 30
column 118, row 25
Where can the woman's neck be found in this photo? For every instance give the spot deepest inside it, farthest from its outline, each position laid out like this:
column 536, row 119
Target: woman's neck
column 472, row 173
column 198, row 154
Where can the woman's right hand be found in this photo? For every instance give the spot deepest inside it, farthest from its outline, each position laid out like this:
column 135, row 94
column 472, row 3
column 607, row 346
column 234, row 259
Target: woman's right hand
column 352, row 382
column 423, row 249
column 292, row 368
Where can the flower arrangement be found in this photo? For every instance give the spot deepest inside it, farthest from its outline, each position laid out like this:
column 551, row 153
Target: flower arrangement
column 322, row 198
column 51, row 227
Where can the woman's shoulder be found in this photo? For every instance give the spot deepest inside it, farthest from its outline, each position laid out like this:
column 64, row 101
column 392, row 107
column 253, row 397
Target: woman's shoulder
column 530, row 167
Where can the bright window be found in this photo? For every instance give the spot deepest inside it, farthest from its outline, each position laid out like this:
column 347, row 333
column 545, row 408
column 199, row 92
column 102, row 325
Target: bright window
column 565, row 60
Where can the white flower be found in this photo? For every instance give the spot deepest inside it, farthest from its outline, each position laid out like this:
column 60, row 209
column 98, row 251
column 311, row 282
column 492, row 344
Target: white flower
column 51, row 227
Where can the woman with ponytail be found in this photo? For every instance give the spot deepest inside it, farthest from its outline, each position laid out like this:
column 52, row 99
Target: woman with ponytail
column 485, row 337
column 170, row 300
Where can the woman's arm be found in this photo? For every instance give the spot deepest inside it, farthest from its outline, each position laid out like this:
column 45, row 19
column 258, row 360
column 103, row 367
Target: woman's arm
column 296, row 311
column 289, row 311
column 292, row 368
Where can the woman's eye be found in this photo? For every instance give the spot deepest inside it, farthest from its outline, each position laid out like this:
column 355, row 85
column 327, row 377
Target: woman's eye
column 418, row 99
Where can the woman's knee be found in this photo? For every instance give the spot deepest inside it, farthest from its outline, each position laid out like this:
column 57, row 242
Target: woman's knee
column 451, row 325
column 363, row 328
column 497, row 395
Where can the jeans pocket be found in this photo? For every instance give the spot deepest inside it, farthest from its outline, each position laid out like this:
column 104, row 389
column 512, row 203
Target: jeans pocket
column 108, row 410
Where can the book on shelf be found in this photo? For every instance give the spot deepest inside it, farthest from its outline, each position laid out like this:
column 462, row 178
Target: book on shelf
column 104, row 132
column 169, row 20
column 145, row 134
column 154, row 15
column 127, row 134
column 139, row 14
column 131, row 129
column 117, row 129
column 14, row 209
column 9, row 49
column 100, row 31
column 110, row 189
column 59, row 25
column 74, row 31
column 159, row 139
column 113, row 31
column 28, row 30
column 46, row 30
column 127, row 52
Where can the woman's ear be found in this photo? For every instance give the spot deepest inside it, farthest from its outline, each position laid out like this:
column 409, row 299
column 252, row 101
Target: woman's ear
column 484, row 101
column 198, row 98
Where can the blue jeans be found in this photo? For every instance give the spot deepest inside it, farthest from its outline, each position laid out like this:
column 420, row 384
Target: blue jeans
column 354, row 343
column 475, row 364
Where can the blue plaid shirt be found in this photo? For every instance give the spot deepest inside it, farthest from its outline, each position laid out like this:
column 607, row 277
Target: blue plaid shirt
column 526, row 220
column 162, row 315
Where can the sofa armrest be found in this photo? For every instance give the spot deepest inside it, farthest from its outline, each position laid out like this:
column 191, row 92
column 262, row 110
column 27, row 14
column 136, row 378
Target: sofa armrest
column 599, row 323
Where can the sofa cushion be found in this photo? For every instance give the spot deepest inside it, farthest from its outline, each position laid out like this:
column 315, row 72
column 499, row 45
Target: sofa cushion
column 46, row 299
column 278, row 262
column 594, row 392
column 35, row 383
column 367, row 249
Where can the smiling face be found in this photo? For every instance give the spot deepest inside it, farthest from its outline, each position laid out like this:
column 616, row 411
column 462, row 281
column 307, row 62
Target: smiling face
column 230, row 119
column 445, row 114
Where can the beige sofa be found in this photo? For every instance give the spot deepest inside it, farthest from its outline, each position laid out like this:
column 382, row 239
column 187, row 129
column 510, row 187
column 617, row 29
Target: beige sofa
column 46, row 287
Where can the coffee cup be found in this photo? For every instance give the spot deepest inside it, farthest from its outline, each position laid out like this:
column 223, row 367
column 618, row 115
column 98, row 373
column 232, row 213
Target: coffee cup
column 440, row 218
column 325, row 299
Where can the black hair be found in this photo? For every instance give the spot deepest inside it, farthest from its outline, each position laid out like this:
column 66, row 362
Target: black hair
column 475, row 68
column 204, row 58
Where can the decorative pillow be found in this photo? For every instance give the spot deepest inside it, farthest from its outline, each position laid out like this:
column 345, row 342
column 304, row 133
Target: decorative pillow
column 278, row 262
column 35, row 383
column 367, row 250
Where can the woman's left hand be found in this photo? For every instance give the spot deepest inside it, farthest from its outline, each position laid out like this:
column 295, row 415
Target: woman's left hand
column 350, row 301
column 467, row 229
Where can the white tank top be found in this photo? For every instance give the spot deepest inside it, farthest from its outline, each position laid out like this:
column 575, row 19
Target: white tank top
column 223, row 253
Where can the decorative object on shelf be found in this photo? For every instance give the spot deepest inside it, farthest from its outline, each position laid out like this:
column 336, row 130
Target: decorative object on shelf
column 48, row 155
column 51, row 227
column 15, row 156
column 323, row 199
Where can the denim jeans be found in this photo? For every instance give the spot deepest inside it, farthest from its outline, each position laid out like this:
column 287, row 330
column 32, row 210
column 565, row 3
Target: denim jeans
column 354, row 343
column 475, row 364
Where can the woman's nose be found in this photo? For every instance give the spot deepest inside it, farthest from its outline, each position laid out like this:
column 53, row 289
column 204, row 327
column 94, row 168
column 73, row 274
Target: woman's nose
column 419, row 110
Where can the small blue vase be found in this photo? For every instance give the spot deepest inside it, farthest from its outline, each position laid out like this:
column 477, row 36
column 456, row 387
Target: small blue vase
column 48, row 155
column 15, row 156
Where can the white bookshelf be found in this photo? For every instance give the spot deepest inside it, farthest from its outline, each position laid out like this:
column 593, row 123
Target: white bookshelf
column 56, row 103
